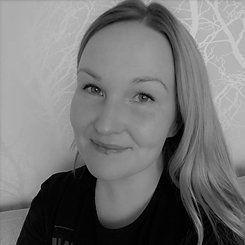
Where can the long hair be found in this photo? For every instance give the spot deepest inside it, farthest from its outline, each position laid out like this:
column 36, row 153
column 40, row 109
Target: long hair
column 198, row 159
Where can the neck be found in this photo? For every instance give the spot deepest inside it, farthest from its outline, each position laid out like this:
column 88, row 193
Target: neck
column 121, row 201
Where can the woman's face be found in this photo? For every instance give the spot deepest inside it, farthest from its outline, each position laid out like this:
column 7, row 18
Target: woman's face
column 115, row 102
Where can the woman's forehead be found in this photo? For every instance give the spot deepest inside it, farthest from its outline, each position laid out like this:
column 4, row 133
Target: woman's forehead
column 129, row 49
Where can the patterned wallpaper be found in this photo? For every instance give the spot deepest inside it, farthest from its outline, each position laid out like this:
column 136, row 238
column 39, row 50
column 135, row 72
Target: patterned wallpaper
column 38, row 44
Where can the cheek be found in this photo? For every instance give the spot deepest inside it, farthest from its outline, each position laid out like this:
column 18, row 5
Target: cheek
column 79, row 114
column 152, row 128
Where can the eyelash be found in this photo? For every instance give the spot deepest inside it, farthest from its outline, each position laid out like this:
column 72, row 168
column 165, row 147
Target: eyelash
column 140, row 92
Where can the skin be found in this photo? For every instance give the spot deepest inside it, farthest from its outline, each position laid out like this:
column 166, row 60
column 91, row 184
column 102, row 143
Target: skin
column 115, row 111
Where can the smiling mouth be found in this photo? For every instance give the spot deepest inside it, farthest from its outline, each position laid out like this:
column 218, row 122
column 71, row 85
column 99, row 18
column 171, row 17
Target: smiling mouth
column 107, row 150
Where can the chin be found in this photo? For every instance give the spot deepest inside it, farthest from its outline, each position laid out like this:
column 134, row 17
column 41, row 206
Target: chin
column 108, row 173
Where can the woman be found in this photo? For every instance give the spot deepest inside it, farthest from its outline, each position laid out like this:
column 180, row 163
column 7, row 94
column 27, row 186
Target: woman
column 157, row 168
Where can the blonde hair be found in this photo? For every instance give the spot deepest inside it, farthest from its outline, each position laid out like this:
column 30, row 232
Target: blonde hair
column 197, row 156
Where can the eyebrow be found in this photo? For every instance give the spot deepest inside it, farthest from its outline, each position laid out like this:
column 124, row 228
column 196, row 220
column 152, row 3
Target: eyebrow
column 135, row 80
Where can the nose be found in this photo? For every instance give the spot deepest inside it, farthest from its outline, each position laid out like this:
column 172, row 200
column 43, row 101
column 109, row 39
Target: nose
column 110, row 119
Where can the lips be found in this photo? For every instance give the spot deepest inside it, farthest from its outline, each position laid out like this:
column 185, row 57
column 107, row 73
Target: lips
column 109, row 146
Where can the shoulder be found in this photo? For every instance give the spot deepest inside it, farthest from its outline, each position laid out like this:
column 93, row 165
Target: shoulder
column 57, row 183
column 62, row 178
column 38, row 225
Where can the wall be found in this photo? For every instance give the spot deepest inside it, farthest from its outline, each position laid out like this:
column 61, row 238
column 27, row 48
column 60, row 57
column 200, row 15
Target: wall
column 38, row 45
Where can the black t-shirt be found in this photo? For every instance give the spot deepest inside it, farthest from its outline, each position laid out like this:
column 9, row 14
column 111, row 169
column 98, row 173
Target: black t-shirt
column 64, row 212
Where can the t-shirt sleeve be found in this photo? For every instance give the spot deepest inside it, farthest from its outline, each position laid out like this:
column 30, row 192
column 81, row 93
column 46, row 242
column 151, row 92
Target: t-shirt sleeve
column 36, row 227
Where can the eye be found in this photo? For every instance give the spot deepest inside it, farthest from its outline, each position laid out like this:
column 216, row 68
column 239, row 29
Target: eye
column 94, row 89
column 145, row 97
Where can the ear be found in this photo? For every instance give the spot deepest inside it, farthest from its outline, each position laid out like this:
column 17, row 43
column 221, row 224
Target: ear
column 173, row 130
